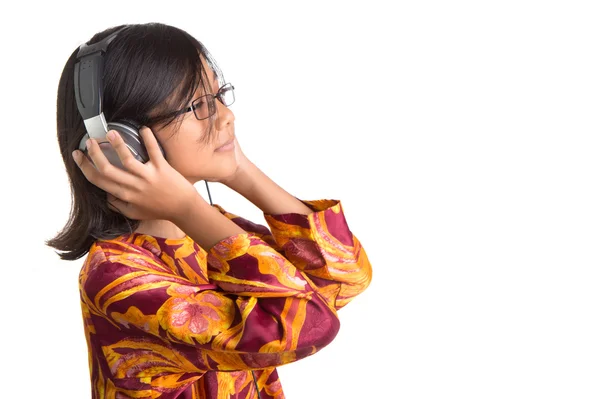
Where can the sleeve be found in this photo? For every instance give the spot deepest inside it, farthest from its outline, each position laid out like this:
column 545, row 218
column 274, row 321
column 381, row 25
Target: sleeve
column 259, row 312
column 257, row 229
column 321, row 245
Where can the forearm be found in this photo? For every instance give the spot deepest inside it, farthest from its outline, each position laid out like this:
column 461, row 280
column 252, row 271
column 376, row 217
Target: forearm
column 205, row 224
column 258, row 188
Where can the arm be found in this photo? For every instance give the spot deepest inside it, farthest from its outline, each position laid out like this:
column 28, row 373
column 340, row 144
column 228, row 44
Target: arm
column 313, row 235
column 323, row 247
column 260, row 312
column 263, row 192
column 205, row 224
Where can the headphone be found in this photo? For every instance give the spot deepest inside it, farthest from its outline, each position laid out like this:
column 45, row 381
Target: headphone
column 88, row 95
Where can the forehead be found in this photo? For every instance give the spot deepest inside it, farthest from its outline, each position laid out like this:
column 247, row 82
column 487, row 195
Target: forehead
column 212, row 83
column 212, row 76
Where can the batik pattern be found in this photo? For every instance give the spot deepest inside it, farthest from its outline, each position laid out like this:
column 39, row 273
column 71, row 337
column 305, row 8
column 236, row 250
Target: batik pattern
column 165, row 319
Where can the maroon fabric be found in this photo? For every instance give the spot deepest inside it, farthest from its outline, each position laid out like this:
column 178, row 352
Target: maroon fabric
column 163, row 318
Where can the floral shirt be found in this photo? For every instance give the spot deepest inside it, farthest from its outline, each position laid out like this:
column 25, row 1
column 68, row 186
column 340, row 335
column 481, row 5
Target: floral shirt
column 163, row 318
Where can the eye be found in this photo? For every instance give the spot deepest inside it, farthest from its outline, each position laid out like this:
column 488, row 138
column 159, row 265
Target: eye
column 223, row 92
column 198, row 104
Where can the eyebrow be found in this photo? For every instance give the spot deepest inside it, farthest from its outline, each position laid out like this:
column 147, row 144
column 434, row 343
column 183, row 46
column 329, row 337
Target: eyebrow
column 215, row 76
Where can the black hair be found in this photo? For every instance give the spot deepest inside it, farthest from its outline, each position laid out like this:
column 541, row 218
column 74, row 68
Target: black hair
column 150, row 70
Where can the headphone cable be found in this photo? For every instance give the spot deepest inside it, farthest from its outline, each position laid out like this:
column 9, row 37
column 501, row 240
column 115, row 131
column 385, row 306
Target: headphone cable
column 207, row 190
column 255, row 384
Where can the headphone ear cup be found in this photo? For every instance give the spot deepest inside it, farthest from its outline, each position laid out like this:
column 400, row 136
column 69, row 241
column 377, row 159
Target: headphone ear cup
column 111, row 154
column 130, row 134
column 130, row 137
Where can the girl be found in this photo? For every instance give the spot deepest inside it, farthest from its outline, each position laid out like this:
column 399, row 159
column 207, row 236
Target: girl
column 180, row 298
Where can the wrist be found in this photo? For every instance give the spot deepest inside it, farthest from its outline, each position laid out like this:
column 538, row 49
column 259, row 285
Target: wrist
column 205, row 224
column 244, row 179
column 193, row 200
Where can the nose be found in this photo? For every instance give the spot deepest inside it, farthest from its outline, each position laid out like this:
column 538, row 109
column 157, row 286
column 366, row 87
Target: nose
column 224, row 116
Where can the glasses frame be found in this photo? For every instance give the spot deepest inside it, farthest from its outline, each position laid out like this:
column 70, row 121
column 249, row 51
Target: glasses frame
column 211, row 103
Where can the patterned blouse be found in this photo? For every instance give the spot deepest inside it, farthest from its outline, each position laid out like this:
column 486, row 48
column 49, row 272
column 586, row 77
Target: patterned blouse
column 163, row 318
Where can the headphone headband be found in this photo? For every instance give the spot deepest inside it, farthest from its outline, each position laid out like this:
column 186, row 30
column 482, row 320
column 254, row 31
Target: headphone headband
column 88, row 84
column 102, row 45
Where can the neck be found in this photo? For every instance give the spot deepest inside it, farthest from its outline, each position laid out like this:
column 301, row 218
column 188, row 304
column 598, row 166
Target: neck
column 160, row 228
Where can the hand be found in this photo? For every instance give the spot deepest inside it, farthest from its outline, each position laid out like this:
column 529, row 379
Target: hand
column 151, row 190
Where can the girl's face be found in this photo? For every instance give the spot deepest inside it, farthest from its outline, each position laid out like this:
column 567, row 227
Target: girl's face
column 186, row 152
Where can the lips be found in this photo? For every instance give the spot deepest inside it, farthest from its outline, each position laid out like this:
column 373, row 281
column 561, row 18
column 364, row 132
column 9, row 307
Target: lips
column 224, row 144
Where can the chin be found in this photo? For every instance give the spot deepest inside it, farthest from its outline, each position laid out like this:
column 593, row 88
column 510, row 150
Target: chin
column 225, row 169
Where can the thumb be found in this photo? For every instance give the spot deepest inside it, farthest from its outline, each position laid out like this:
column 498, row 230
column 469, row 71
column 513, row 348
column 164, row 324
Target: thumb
column 116, row 204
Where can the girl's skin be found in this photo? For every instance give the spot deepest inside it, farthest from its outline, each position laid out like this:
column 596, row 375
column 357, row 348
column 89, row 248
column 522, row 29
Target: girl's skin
column 161, row 194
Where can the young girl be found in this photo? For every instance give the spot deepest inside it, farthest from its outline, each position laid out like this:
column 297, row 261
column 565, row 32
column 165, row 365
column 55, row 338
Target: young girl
column 181, row 298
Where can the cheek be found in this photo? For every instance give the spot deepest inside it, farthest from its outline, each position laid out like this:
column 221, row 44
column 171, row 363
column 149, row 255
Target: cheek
column 190, row 158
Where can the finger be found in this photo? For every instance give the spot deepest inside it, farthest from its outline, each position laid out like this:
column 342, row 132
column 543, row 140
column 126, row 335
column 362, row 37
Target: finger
column 97, row 157
column 89, row 170
column 127, row 159
column 107, row 171
column 115, row 185
column 152, row 145
column 111, row 201
column 120, row 206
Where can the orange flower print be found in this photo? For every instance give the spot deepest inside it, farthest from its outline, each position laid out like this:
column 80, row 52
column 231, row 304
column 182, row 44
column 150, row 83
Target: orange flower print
column 200, row 316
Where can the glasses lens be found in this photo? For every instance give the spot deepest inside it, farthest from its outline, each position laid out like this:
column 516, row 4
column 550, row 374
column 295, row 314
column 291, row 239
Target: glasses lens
column 203, row 107
column 226, row 95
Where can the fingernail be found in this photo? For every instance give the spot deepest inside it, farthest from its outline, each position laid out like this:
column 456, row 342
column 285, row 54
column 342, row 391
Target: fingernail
column 88, row 143
column 111, row 135
column 76, row 155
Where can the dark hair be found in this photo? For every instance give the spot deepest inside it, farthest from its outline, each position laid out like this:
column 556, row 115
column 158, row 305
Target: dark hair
column 150, row 70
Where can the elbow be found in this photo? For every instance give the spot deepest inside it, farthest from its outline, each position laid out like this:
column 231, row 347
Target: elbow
column 331, row 332
column 320, row 327
column 365, row 276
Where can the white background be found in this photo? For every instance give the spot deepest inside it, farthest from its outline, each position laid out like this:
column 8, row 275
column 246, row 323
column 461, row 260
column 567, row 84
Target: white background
column 461, row 137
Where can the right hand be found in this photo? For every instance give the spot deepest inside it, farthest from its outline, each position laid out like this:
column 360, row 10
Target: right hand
column 145, row 191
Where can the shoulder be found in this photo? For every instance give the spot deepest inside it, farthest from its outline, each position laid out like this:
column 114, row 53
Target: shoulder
column 106, row 256
column 120, row 249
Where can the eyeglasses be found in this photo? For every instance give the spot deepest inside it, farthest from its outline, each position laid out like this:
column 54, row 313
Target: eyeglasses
column 205, row 107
